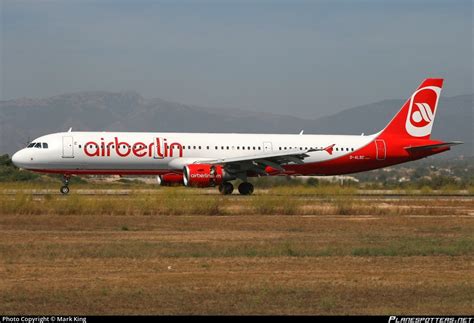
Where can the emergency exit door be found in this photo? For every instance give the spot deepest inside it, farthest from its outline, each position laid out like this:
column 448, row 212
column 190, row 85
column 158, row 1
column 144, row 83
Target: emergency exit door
column 267, row 147
column 68, row 147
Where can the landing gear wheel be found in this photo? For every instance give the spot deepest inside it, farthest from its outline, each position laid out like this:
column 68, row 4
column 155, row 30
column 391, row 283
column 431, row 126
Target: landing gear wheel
column 246, row 188
column 226, row 188
column 64, row 189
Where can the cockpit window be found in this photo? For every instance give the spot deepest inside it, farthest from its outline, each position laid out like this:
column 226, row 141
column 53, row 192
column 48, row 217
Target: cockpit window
column 31, row 145
column 38, row 145
column 45, row 145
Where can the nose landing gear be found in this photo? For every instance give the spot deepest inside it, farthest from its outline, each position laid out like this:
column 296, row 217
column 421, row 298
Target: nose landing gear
column 65, row 188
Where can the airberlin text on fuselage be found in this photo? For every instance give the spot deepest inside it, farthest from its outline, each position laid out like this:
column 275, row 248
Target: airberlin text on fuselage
column 158, row 148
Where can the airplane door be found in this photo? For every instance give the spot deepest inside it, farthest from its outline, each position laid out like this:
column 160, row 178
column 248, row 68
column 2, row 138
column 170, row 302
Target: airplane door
column 267, row 147
column 380, row 149
column 68, row 147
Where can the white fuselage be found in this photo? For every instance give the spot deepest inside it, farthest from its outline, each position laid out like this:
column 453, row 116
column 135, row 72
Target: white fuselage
column 155, row 152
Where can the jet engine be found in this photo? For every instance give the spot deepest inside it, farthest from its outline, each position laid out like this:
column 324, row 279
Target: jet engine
column 170, row 179
column 205, row 175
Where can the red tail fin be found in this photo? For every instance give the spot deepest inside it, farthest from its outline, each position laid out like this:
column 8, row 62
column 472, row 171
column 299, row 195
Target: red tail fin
column 416, row 117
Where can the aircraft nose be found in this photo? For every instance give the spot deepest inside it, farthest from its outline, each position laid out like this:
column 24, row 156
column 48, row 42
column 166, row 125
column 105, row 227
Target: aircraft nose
column 18, row 158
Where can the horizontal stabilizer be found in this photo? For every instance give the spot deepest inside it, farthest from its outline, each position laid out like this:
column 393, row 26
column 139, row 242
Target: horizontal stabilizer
column 435, row 146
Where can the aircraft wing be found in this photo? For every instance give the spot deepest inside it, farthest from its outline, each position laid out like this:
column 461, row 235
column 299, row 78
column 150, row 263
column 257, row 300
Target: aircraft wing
column 435, row 146
column 259, row 162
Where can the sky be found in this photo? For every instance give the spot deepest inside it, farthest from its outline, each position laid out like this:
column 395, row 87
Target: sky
column 302, row 58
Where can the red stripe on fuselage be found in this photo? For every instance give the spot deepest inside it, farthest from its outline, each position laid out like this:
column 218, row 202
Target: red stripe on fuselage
column 365, row 158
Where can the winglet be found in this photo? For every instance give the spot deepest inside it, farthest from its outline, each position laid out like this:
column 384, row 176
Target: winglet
column 329, row 149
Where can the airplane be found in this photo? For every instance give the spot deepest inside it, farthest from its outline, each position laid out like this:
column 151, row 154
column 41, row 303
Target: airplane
column 216, row 159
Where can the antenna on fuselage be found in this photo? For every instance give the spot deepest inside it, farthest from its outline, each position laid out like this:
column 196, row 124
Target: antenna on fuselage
column 70, row 129
column 301, row 132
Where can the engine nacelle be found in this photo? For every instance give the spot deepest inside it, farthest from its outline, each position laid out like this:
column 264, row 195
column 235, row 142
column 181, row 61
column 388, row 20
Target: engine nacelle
column 170, row 179
column 205, row 175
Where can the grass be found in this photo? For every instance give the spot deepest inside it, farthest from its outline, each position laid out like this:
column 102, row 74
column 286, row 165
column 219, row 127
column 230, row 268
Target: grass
column 179, row 201
column 404, row 246
column 180, row 251
column 409, row 247
column 322, row 190
column 237, row 265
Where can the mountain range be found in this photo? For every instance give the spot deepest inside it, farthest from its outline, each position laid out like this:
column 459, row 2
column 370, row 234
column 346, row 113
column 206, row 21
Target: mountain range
column 24, row 119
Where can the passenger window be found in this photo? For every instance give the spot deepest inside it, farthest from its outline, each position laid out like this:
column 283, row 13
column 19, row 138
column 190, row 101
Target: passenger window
column 259, row 148
column 216, row 148
column 45, row 145
column 207, row 147
column 199, row 147
column 227, row 147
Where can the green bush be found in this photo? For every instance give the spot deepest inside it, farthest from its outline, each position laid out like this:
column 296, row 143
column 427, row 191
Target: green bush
column 11, row 173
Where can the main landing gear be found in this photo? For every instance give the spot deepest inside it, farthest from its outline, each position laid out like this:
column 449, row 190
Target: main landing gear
column 245, row 188
column 227, row 188
column 65, row 188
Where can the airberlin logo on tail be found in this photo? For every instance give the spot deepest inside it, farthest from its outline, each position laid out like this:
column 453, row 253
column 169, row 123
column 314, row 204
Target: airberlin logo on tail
column 159, row 148
column 422, row 110
column 424, row 114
